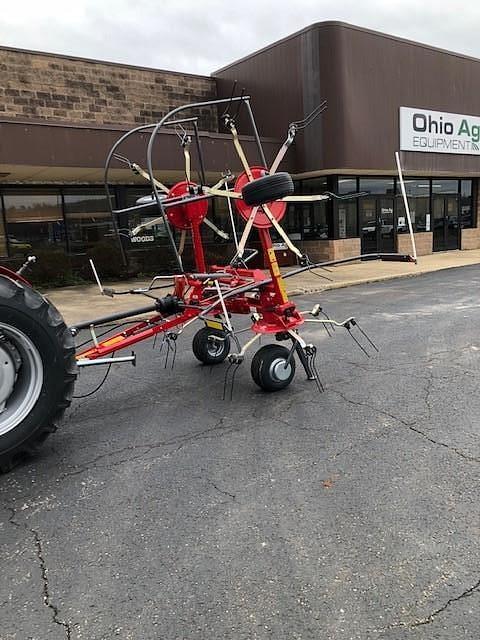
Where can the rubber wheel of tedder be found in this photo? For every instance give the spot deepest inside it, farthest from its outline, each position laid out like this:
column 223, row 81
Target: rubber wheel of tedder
column 37, row 371
column 268, row 367
column 267, row 189
column 210, row 351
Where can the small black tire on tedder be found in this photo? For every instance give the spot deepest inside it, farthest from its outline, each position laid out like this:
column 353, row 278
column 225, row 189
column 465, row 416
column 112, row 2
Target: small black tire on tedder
column 273, row 367
column 37, row 370
column 211, row 346
column 267, row 188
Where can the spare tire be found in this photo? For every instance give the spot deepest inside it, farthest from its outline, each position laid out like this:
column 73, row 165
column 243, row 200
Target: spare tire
column 37, row 370
column 267, row 189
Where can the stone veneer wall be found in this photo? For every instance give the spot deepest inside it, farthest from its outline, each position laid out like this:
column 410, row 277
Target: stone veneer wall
column 423, row 243
column 64, row 89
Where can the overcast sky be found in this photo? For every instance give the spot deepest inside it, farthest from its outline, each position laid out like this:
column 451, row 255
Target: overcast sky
column 204, row 35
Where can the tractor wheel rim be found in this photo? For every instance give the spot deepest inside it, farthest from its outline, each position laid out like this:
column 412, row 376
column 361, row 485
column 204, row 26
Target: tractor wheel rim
column 278, row 370
column 20, row 381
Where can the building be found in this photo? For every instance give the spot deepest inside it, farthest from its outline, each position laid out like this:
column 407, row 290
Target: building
column 59, row 115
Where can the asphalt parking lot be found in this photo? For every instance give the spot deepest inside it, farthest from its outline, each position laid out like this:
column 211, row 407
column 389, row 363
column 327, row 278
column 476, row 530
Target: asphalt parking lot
column 160, row 511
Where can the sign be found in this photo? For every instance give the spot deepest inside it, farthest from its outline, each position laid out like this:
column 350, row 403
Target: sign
column 137, row 239
column 427, row 222
column 439, row 132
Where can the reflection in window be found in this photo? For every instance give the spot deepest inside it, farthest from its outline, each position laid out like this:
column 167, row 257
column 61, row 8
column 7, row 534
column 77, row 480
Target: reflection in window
column 150, row 236
column 445, row 186
column 377, row 186
column 292, row 222
column 89, row 220
column 3, row 234
column 315, row 223
column 347, row 218
column 346, row 186
column 418, row 194
column 309, row 221
column 466, row 209
column 347, row 210
column 34, row 221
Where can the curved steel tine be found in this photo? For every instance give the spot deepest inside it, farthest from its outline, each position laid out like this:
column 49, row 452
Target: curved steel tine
column 320, row 275
column 232, row 381
column 229, row 104
column 324, row 313
column 320, row 384
column 327, row 329
column 355, row 324
column 225, row 380
column 301, row 124
column 240, row 103
column 348, row 196
column 357, row 342
column 123, row 159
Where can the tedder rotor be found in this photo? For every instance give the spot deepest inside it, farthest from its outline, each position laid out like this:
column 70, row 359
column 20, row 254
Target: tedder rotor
column 38, row 358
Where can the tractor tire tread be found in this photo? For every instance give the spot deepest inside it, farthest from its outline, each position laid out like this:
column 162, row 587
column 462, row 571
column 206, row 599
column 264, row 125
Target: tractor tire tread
column 48, row 315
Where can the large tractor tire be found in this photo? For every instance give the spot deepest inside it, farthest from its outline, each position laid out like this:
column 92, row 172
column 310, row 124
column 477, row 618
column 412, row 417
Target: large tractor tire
column 37, row 370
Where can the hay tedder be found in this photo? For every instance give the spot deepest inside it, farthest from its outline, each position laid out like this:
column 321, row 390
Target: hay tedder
column 39, row 359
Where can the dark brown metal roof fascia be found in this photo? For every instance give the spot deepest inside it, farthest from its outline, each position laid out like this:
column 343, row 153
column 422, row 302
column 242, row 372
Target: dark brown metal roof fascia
column 345, row 25
column 88, row 147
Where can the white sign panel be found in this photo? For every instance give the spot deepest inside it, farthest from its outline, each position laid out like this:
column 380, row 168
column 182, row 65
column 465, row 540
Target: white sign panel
column 439, row 132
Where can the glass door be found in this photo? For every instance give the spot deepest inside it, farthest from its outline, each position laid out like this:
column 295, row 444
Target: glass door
column 438, row 207
column 446, row 232
column 377, row 225
column 452, row 227
column 386, row 226
column 368, row 224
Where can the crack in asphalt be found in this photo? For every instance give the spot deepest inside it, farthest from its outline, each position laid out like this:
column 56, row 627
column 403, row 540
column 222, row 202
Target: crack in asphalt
column 431, row 617
column 182, row 440
column 47, row 598
column 428, row 393
column 408, row 425
column 222, row 491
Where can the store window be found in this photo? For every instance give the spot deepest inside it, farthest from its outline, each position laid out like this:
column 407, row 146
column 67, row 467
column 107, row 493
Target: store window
column 418, row 194
column 346, row 186
column 377, row 186
column 444, row 186
column 347, row 210
column 149, row 237
column 34, row 221
column 314, row 217
column 88, row 218
column 3, row 232
column 466, row 204
column 292, row 222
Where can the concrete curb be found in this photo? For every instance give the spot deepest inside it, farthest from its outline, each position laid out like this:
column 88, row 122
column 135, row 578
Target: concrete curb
column 370, row 280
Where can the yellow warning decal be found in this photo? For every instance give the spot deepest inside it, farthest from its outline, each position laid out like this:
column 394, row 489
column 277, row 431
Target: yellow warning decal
column 114, row 340
column 273, row 262
column 281, row 286
column 214, row 324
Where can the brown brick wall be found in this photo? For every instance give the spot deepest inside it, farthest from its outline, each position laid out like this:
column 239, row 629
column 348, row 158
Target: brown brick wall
column 47, row 87
column 470, row 239
column 319, row 250
column 423, row 243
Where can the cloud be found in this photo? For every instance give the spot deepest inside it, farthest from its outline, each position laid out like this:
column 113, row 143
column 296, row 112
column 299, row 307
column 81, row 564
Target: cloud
column 199, row 37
